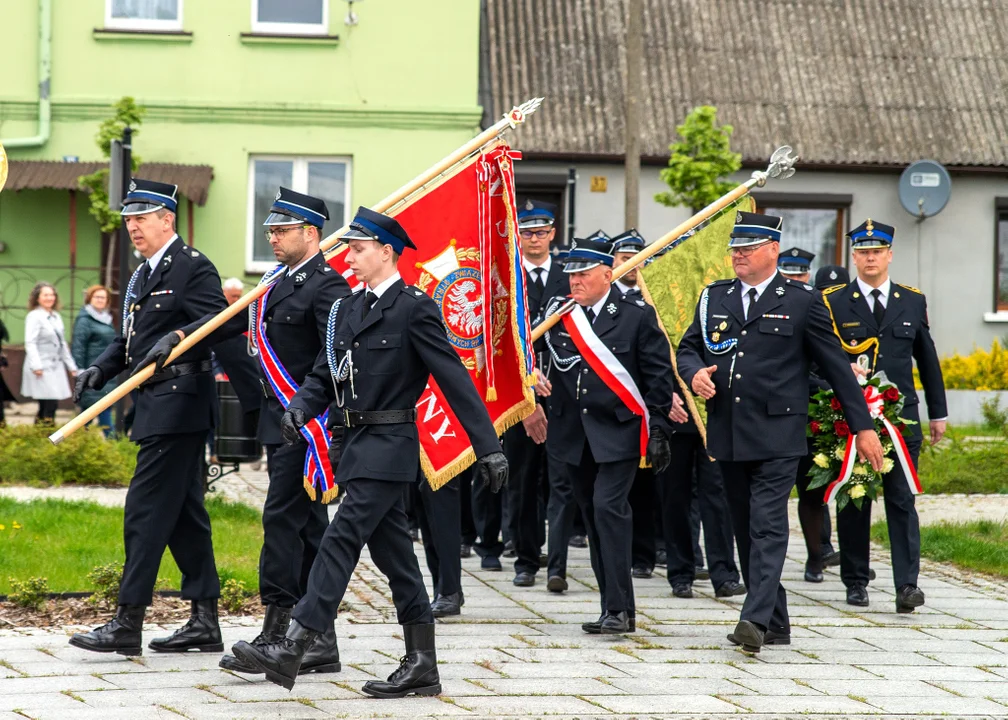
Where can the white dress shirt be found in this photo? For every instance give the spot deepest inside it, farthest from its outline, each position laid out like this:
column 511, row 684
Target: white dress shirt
column 867, row 291
column 154, row 259
column 384, row 285
column 531, row 268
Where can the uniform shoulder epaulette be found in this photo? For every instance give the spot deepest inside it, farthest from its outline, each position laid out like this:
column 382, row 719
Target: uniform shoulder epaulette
column 794, row 283
column 832, row 289
column 726, row 281
column 633, row 300
column 413, row 291
column 909, row 287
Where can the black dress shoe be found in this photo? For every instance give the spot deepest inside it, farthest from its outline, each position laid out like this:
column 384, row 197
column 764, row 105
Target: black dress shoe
column 578, row 541
column 831, row 558
column 615, row 624
column 730, row 588
column 908, row 598
column 274, row 626
column 509, row 550
column 641, row 571
column 524, row 579
column 417, row 673
column 813, row 574
column 594, row 627
column 447, row 605
column 543, row 560
column 556, row 584
column 414, row 534
column 871, row 574
column 682, row 590
column 702, row 573
column 323, row 655
column 661, row 558
column 769, row 638
column 280, row 661
column 119, row 635
column 857, row 594
column 748, row 635
column 201, row 632
column 465, row 551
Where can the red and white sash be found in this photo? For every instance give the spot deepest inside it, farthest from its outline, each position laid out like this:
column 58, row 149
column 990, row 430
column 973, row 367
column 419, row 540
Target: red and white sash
column 616, row 377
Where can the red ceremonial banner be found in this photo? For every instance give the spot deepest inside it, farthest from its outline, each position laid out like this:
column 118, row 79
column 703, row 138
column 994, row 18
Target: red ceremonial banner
column 468, row 259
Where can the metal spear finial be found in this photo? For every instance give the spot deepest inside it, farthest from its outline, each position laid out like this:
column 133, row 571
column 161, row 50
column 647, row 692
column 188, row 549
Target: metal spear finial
column 781, row 166
column 518, row 114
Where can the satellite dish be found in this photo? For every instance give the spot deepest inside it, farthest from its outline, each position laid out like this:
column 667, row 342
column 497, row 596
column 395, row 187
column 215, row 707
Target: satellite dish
column 924, row 188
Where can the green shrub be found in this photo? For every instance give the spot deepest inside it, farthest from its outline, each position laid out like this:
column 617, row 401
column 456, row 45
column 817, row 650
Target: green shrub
column 106, row 580
column 995, row 418
column 31, row 593
column 84, row 458
column 233, row 594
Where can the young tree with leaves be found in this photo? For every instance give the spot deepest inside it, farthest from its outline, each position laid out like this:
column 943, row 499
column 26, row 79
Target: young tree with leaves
column 699, row 161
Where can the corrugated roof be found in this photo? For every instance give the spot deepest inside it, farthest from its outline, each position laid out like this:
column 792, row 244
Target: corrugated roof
column 882, row 82
column 193, row 180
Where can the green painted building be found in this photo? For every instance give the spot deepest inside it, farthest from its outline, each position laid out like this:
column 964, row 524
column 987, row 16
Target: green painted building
column 346, row 100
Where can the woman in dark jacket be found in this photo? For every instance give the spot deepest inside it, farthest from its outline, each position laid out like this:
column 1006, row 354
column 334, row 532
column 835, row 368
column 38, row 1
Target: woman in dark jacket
column 92, row 333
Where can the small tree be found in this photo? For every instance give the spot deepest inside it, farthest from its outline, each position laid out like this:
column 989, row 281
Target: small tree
column 699, row 161
column 127, row 113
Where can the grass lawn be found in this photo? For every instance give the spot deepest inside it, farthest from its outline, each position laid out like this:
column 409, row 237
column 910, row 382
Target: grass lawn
column 965, row 468
column 63, row 541
column 980, row 545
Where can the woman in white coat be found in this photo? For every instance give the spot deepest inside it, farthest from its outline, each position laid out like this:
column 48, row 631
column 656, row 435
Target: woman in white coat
column 47, row 356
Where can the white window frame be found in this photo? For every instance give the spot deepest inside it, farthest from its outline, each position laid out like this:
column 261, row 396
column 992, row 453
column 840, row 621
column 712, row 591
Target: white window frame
column 115, row 23
column 275, row 28
column 299, row 183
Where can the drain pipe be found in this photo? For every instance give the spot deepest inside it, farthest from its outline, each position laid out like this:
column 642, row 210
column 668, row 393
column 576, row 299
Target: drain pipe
column 44, row 73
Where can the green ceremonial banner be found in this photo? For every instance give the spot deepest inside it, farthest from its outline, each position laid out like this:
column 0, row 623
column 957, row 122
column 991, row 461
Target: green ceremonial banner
column 672, row 283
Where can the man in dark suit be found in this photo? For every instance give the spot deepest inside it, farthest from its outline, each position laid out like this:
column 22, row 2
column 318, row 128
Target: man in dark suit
column 383, row 346
column 609, row 403
column 887, row 323
column 292, row 318
column 796, row 264
column 525, row 446
column 748, row 354
column 175, row 409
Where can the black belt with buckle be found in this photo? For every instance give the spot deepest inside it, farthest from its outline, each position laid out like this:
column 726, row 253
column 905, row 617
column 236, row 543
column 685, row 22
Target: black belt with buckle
column 356, row 418
column 170, row 372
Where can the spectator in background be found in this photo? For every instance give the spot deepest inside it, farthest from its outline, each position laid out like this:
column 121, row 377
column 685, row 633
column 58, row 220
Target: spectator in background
column 233, row 290
column 92, row 333
column 47, row 357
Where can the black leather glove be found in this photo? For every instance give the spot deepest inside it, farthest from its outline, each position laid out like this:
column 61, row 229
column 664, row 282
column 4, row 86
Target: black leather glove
column 160, row 352
column 290, row 425
column 493, row 468
column 335, row 446
column 659, row 454
column 91, row 379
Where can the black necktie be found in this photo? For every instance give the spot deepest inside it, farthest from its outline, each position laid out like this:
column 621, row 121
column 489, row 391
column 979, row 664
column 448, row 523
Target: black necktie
column 752, row 301
column 538, row 281
column 145, row 276
column 590, row 312
column 879, row 310
column 369, row 300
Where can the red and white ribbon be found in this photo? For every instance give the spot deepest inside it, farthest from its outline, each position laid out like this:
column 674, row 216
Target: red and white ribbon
column 616, row 377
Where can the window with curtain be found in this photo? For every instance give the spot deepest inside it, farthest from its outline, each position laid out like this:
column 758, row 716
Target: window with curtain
column 817, row 230
column 325, row 178
column 144, row 14
column 290, row 17
column 1001, row 268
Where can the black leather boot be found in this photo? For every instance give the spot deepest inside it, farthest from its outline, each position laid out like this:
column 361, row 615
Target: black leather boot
column 122, row 634
column 323, row 657
column 201, row 632
column 273, row 628
column 417, row 673
column 280, row 660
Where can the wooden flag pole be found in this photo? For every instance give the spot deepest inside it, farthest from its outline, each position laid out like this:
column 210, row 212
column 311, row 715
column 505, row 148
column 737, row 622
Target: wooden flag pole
column 508, row 122
column 781, row 166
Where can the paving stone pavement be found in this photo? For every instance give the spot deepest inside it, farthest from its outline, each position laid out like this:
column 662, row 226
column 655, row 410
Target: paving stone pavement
column 520, row 652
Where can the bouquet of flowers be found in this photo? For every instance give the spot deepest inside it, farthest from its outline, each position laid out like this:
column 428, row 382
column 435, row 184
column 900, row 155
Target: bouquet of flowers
column 835, row 463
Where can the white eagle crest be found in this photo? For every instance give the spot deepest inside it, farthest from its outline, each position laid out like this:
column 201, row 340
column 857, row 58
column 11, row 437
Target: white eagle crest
column 465, row 314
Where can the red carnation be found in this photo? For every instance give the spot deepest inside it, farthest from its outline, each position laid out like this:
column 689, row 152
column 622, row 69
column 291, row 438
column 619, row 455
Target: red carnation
column 884, row 431
column 891, row 394
column 841, row 429
column 815, row 427
column 834, row 403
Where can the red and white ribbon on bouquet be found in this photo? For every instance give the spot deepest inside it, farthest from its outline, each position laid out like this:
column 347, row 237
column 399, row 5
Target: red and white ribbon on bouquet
column 875, row 404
